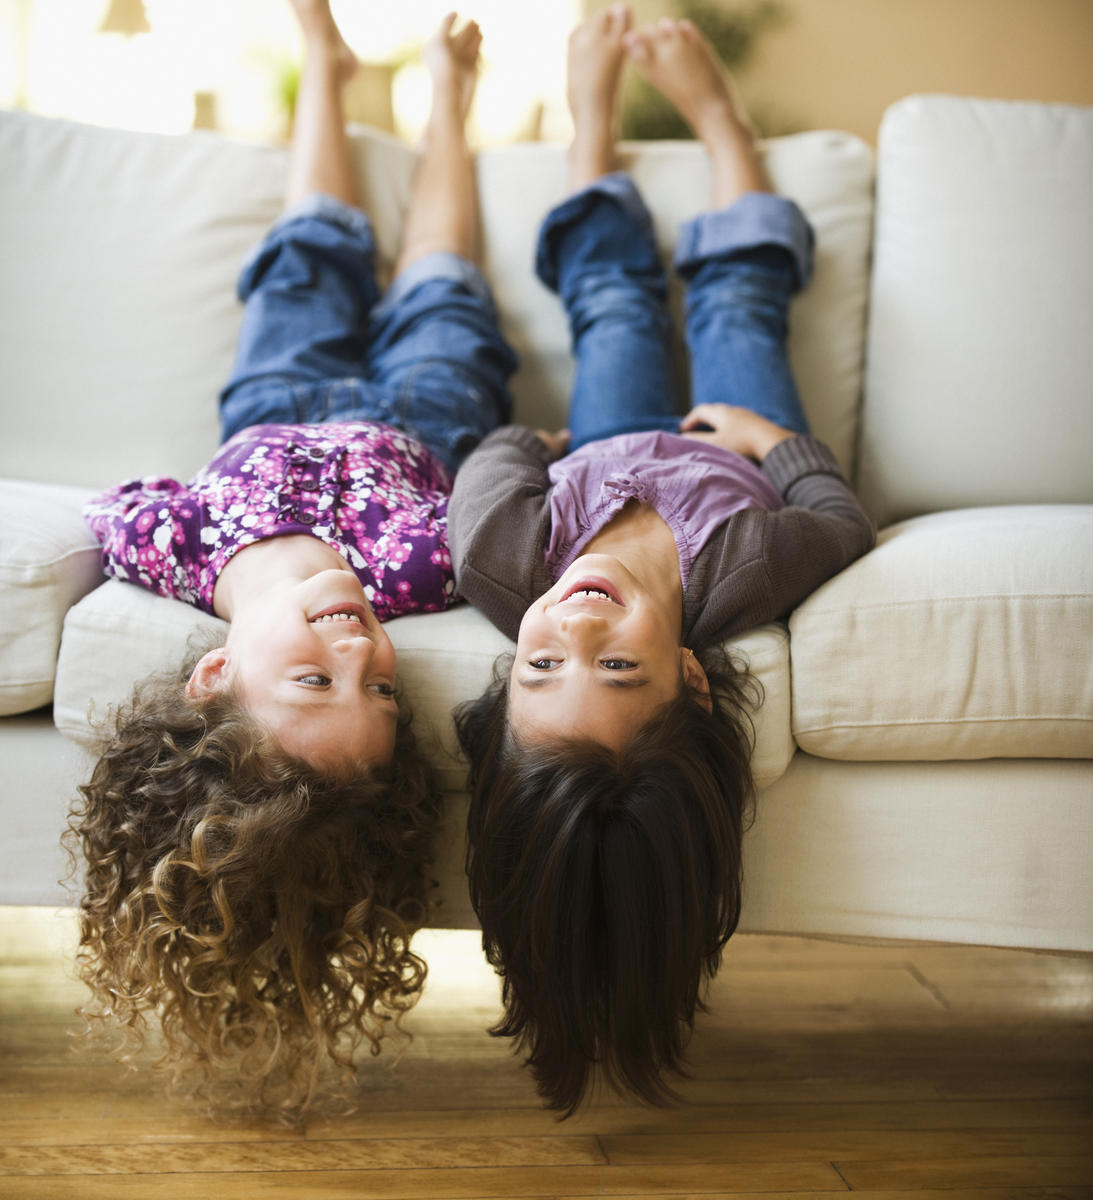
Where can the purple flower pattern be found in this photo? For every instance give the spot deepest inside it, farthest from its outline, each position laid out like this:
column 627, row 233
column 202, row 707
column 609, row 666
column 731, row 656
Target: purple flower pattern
column 377, row 496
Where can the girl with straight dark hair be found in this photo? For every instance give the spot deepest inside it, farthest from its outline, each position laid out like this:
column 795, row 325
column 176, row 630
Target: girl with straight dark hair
column 610, row 763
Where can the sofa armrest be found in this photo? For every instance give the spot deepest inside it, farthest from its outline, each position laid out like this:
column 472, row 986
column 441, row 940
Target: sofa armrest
column 48, row 561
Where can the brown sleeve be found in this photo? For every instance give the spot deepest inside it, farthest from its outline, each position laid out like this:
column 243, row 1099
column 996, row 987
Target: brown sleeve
column 498, row 524
column 759, row 565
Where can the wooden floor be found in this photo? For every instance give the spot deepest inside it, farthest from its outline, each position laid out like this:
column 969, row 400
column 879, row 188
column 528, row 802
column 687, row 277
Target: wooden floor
column 824, row 1067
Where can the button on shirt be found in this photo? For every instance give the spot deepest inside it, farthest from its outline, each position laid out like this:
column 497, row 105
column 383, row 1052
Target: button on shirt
column 376, row 496
column 693, row 486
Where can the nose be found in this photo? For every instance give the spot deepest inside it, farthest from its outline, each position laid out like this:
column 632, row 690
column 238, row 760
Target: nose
column 355, row 648
column 579, row 623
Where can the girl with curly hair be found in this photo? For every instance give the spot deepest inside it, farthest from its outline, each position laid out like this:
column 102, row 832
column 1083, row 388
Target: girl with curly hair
column 610, row 762
column 257, row 830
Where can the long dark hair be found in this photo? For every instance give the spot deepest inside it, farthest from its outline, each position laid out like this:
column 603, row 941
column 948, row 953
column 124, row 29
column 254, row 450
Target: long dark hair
column 607, row 884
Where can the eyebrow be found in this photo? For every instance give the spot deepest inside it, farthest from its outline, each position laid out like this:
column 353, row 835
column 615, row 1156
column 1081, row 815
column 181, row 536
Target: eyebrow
column 547, row 681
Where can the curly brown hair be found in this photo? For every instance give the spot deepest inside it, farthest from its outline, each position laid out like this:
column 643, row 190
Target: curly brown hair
column 607, row 883
column 258, row 911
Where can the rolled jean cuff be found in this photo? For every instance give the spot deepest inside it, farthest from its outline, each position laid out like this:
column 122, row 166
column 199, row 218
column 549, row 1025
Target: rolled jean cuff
column 327, row 208
column 755, row 219
column 315, row 207
column 440, row 264
column 617, row 188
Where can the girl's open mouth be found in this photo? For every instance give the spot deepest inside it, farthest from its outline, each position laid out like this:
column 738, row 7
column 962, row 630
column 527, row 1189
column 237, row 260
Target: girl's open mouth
column 592, row 587
column 349, row 613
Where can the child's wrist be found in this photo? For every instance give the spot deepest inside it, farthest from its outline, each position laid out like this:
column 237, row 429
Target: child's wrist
column 770, row 437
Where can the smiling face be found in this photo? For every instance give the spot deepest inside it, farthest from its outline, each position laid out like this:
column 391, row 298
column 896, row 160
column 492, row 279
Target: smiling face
column 596, row 657
column 310, row 662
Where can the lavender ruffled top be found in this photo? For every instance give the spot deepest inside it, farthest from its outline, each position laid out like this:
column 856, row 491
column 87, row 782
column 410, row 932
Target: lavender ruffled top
column 694, row 486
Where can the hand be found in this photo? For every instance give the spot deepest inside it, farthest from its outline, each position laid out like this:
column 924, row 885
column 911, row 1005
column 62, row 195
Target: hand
column 737, row 429
column 556, row 443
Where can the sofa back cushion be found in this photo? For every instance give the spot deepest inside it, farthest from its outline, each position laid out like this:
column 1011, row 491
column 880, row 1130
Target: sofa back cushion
column 117, row 271
column 979, row 358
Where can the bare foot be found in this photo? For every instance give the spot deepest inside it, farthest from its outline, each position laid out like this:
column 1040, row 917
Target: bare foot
column 322, row 35
column 595, row 58
column 452, row 59
column 681, row 64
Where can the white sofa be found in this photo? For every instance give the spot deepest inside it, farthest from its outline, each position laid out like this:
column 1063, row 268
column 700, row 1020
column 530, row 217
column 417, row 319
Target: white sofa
column 924, row 748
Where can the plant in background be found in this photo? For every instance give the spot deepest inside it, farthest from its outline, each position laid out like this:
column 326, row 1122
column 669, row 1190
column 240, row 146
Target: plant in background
column 647, row 116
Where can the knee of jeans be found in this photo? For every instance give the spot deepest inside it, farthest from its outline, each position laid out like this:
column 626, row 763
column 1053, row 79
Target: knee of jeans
column 741, row 301
column 607, row 299
column 736, row 282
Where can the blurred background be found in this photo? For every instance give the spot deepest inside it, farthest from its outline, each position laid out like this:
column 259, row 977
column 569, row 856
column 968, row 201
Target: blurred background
column 231, row 65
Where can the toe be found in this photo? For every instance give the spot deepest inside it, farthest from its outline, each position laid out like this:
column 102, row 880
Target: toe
column 637, row 46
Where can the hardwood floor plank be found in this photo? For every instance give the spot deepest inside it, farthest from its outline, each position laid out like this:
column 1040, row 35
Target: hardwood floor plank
column 471, row 1183
column 299, row 1188
column 919, row 1174
column 38, row 1122
column 884, row 1079
column 1070, row 1192
column 356, row 1155
column 45, row 1127
column 803, row 1116
column 729, row 1147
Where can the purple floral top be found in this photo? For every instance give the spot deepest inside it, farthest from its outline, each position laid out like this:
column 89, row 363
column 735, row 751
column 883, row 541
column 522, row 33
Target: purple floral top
column 376, row 496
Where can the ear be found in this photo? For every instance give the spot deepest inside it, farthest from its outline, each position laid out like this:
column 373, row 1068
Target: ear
column 210, row 675
column 695, row 678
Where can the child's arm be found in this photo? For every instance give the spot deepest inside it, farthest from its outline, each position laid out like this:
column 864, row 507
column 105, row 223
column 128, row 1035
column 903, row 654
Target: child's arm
column 499, row 523
column 759, row 564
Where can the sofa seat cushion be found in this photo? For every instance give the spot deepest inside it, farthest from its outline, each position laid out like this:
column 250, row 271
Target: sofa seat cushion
column 449, row 657
column 115, row 637
column 963, row 635
column 120, row 634
column 48, row 560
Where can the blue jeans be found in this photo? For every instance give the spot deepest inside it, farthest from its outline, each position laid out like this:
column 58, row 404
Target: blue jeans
column 741, row 265
column 319, row 344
